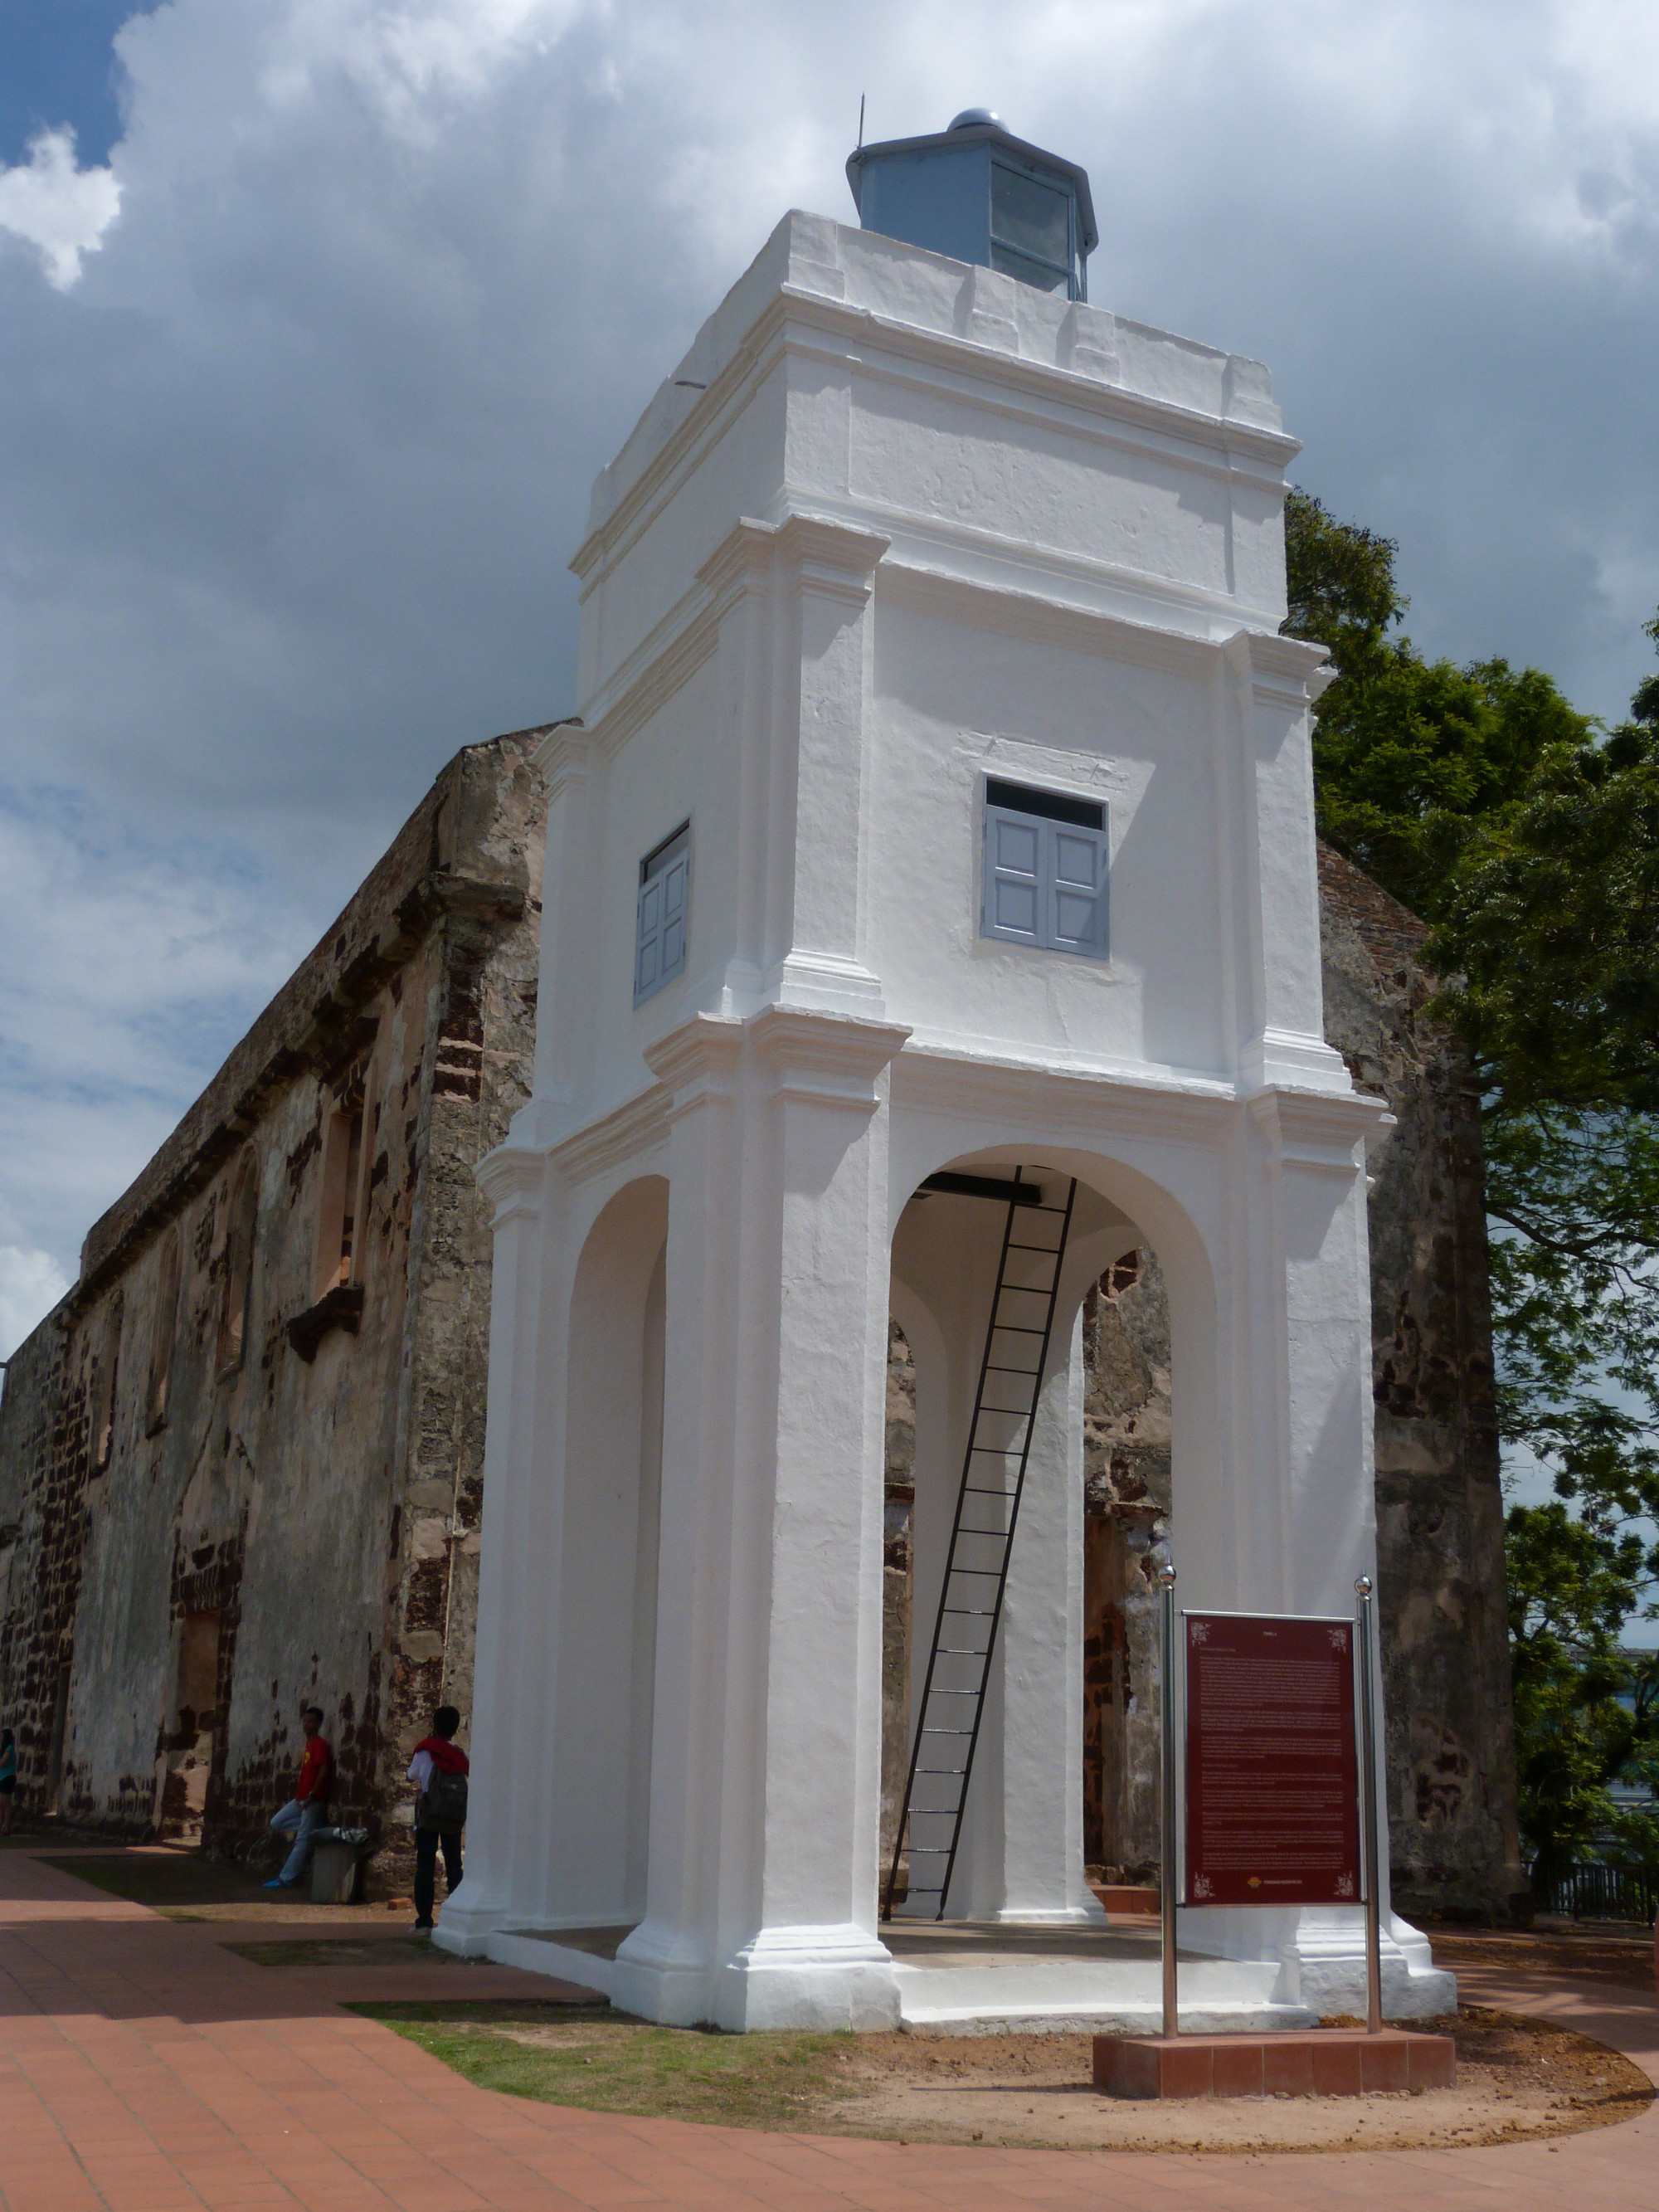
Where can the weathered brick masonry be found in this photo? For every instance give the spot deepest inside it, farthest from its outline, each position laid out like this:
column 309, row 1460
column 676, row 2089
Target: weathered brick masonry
column 241, row 1464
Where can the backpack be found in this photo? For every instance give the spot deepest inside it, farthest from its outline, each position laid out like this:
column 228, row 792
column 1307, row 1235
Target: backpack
column 442, row 1803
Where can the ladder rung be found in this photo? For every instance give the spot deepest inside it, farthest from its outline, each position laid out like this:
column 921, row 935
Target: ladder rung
column 968, row 1612
column 939, row 1731
column 1050, row 1251
column 992, row 1368
column 990, row 1573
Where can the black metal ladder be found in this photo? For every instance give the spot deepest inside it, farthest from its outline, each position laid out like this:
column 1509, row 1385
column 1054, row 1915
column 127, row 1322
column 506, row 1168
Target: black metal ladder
column 981, row 1539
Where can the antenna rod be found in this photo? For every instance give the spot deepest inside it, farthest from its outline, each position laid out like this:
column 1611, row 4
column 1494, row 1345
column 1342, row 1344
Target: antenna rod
column 860, row 120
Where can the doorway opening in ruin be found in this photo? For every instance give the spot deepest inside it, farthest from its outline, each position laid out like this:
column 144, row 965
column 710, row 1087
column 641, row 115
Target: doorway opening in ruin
column 1106, row 1414
column 187, row 1771
column 610, row 1519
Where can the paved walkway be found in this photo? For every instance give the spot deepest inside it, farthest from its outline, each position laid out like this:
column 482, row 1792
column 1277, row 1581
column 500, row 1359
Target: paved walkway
column 145, row 2067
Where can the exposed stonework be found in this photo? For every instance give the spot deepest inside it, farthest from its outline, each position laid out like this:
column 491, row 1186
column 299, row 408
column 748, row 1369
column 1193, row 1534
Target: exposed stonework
column 1454, row 1846
column 241, row 1464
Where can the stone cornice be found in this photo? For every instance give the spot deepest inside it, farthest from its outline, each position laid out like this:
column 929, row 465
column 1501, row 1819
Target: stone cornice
column 1287, row 670
column 639, row 1126
column 562, row 755
column 1317, row 1130
column 702, row 1056
column 825, row 1058
column 931, row 1075
column 657, row 667
column 794, row 312
column 512, row 1178
column 1031, row 615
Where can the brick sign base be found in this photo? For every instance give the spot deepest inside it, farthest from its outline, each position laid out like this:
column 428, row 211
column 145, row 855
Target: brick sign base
column 1328, row 2062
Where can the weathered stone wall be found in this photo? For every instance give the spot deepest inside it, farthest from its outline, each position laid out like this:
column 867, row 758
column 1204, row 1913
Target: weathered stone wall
column 1127, row 1488
column 1453, row 1838
column 294, row 1516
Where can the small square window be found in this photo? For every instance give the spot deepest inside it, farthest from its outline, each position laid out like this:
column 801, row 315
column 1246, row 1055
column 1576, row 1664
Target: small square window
column 662, row 913
column 1045, row 869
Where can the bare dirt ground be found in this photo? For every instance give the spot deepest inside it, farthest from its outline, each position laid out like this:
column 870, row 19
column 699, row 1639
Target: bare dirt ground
column 1517, row 2080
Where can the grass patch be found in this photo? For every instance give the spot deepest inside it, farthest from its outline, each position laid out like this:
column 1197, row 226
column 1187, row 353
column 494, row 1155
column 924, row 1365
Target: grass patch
column 163, row 1881
column 606, row 2062
column 347, row 1951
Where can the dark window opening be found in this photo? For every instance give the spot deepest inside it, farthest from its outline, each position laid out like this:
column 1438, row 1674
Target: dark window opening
column 1048, row 805
column 109, row 1369
column 339, row 1259
column 163, row 1338
column 236, row 1292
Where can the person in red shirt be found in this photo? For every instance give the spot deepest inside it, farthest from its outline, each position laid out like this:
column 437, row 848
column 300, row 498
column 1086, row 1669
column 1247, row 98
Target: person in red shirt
column 306, row 1808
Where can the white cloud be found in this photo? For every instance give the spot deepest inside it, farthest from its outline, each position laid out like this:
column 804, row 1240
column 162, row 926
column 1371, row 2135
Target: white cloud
column 31, row 1284
column 290, row 477
column 59, row 210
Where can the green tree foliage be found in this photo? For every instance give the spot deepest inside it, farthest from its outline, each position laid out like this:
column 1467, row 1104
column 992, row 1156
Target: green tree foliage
column 1408, row 754
column 1585, row 1710
column 1529, row 839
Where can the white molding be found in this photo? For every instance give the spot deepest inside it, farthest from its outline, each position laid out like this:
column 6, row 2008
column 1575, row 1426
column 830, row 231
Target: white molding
column 1166, row 426
column 639, row 1126
column 512, row 1178
column 831, row 1059
column 1031, row 615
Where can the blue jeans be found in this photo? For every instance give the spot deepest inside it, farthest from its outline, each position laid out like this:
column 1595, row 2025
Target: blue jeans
column 298, row 1820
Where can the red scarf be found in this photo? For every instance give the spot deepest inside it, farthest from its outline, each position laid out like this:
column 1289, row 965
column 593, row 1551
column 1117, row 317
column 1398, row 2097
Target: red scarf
column 444, row 1754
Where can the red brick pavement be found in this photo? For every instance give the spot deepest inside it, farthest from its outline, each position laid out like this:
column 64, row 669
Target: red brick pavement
column 145, row 2067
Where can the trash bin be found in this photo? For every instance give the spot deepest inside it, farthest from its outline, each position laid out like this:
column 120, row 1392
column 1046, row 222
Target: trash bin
column 337, row 1865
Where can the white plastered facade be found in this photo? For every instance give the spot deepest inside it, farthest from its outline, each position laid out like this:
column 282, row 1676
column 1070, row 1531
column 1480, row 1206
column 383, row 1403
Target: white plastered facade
column 896, row 524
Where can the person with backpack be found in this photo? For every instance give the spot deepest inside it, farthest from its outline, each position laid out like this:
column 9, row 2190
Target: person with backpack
column 439, row 1771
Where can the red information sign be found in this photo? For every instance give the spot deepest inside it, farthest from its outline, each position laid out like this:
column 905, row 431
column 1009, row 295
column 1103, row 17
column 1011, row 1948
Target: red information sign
column 1272, row 1777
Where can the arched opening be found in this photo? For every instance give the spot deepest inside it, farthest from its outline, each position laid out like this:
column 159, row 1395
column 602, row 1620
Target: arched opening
column 1064, row 1763
column 609, row 1518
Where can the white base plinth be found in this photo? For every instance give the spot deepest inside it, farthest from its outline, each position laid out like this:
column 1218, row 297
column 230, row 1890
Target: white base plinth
column 1055, row 1996
column 843, row 1977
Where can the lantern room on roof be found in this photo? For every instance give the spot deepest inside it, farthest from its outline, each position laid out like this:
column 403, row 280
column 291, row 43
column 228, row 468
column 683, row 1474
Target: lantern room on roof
column 980, row 194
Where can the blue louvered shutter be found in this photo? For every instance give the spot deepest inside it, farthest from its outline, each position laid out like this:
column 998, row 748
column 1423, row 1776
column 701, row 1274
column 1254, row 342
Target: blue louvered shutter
column 662, row 913
column 674, row 879
column 1077, row 889
column 1015, row 902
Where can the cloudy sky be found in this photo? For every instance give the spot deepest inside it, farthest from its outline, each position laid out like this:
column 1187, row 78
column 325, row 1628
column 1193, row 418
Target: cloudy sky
column 318, row 316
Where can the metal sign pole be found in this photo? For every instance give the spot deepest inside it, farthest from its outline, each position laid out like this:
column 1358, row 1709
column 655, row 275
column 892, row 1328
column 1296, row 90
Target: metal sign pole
column 1166, row 1583
column 1370, row 1841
